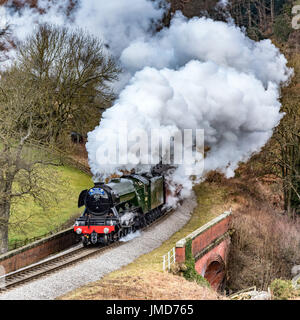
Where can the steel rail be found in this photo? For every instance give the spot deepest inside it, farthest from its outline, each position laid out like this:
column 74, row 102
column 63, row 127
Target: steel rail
column 62, row 260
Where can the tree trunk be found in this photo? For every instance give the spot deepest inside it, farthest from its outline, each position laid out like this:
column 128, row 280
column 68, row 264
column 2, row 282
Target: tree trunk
column 249, row 15
column 4, row 219
column 272, row 12
column 5, row 192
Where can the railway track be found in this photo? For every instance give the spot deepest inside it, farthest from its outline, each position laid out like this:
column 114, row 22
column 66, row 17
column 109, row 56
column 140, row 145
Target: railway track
column 60, row 261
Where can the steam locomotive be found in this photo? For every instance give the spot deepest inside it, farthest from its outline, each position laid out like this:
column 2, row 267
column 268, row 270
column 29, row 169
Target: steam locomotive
column 120, row 207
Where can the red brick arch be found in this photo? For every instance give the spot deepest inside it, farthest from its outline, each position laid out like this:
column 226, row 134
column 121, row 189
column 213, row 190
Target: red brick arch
column 215, row 271
column 212, row 265
column 210, row 247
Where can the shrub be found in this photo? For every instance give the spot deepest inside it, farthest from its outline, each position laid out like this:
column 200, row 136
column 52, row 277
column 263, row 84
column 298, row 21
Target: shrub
column 265, row 246
column 282, row 28
column 283, row 289
column 283, row 25
column 190, row 273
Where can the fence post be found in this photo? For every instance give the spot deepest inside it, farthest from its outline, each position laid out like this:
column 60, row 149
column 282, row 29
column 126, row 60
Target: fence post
column 171, row 259
column 174, row 255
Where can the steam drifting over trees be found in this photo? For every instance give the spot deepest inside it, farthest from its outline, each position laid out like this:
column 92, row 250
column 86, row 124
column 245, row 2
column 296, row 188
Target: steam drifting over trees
column 73, row 71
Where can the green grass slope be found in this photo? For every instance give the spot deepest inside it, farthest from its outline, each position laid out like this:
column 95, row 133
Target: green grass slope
column 29, row 219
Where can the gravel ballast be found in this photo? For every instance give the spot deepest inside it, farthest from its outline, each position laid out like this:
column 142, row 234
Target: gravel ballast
column 95, row 268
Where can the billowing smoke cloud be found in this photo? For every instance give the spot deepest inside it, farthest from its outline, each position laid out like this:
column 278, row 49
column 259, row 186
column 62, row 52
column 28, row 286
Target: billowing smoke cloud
column 116, row 22
column 119, row 22
column 24, row 20
column 207, row 40
column 196, row 74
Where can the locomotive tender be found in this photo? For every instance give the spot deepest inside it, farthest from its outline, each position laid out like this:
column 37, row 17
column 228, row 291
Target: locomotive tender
column 120, row 207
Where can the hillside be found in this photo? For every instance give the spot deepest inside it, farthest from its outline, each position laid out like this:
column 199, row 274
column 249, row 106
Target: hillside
column 30, row 220
column 143, row 285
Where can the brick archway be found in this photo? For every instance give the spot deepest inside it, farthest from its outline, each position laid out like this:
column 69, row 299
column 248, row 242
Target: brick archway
column 215, row 271
column 210, row 247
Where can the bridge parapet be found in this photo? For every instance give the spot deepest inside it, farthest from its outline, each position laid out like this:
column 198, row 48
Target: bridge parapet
column 210, row 247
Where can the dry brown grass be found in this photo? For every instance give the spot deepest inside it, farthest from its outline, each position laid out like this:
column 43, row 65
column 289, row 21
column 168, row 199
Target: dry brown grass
column 147, row 285
column 265, row 244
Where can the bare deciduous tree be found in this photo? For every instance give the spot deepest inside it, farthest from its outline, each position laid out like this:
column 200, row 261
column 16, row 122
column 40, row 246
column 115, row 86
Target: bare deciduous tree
column 74, row 72
column 282, row 154
column 286, row 153
column 5, row 42
column 20, row 156
column 61, row 78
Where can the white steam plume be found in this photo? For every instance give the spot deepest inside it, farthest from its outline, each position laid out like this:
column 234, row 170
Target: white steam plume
column 116, row 22
column 196, row 74
column 207, row 40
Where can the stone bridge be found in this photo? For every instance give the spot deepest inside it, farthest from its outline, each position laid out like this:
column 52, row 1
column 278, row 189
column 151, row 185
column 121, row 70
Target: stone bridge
column 210, row 247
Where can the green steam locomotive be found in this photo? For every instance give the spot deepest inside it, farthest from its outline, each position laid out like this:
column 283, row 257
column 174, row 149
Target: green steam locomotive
column 122, row 206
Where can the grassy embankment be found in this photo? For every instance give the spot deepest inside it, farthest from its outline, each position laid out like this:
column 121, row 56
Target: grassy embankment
column 144, row 279
column 29, row 220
